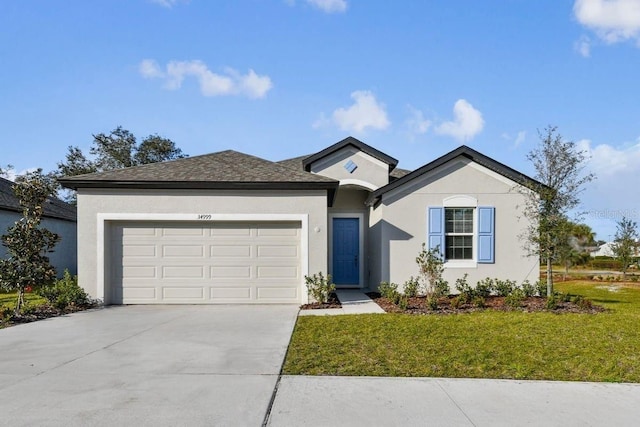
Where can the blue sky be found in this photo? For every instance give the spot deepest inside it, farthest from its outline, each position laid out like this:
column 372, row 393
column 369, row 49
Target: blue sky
column 281, row 78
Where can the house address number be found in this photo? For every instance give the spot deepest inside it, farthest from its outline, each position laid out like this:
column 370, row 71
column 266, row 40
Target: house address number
column 204, row 216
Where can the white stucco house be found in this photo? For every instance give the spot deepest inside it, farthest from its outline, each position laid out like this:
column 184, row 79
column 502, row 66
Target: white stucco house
column 228, row 227
column 58, row 217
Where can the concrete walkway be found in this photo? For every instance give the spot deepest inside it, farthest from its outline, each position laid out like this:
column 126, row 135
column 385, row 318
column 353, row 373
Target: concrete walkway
column 375, row 401
column 354, row 301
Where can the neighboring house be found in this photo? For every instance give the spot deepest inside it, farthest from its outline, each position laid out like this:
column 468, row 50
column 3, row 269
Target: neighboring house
column 605, row 249
column 59, row 217
column 228, row 227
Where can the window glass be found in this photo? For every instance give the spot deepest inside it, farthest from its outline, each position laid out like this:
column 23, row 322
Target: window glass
column 459, row 233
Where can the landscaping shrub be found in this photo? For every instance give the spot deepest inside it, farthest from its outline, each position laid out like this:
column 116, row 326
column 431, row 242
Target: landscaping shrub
column 462, row 286
column 582, row 302
column 606, row 263
column 388, row 290
column 478, row 301
column 457, row 301
column 552, row 302
column 411, row 287
column 430, row 267
column 528, row 289
column 442, row 288
column 515, row 298
column 541, row 287
column 65, row 293
column 403, row 302
column 432, row 302
column 484, row 287
column 504, row 287
column 319, row 287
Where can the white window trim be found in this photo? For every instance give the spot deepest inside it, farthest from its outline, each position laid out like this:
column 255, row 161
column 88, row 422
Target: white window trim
column 462, row 201
column 360, row 217
column 102, row 218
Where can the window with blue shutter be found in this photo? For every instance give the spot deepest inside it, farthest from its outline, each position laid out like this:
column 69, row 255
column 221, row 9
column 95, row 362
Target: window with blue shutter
column 486, row 235
column 436, row 229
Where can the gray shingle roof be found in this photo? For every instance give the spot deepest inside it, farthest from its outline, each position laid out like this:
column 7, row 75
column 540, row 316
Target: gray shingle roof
column 54, row 208
column 206, row 171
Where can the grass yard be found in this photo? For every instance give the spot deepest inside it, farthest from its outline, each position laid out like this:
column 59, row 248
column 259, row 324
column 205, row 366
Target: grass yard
column 8, row 300
column 572, row 347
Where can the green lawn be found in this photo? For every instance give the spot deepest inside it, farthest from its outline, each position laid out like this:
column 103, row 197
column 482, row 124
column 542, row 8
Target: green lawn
column 9, row 299
column 581, row 347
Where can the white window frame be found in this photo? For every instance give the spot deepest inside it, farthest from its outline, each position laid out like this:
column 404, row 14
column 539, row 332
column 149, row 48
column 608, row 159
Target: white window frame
column 462, row 201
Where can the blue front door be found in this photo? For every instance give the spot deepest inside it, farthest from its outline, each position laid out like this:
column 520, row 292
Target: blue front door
column 346, row 251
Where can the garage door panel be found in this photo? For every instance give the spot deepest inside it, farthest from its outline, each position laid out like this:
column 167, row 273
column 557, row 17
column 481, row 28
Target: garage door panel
column 230, row 251
column 280, row 272
column 230, row 292
column 139, row 250
column 231, row 272
column 206, row 262
column 135, row 293
column 278, row 251
column 182, row 251
column 138, row 272
column 182, row 293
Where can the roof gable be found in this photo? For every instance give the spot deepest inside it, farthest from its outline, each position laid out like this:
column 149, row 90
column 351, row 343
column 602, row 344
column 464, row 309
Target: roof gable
column 216, row 170
column 54, row 208
column 462, row 151
column 350, row 141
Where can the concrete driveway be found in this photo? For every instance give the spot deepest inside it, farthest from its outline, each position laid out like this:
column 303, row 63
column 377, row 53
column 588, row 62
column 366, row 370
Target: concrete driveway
column 144, row 365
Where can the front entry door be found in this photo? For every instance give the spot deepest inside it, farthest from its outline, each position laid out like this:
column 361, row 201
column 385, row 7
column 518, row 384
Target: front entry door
column 346, row 251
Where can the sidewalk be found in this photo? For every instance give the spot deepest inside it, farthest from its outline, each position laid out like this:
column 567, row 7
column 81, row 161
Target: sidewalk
column 376, row 401
column 353, row 301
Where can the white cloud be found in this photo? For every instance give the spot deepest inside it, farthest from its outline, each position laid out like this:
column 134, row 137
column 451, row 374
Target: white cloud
column 11, row 174
column 520, row 138
column 416, row 123
column 467, row 122
column 168, row 3
column 612, row 194
column 232, row 82
column 329, row 6
column 583, row 46
column 366, row 112
column 612, row 20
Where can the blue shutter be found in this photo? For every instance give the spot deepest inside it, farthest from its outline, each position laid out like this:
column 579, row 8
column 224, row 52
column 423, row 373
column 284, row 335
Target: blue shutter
column 436, row 229
column 486, row 235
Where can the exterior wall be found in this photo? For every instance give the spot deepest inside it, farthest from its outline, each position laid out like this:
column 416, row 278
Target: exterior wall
column 92, row 202
column 65, row 253
column 403, row 224
column 351, row 201
column 370, row 173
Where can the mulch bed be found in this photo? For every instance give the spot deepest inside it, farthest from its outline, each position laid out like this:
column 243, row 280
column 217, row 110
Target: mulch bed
column 418, row 305
column 333, row 302
column 40, row 312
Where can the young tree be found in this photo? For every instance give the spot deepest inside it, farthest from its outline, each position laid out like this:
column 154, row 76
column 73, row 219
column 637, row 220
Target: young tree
column 119, row 149
column 625, row 243
column 559, row 168
column 573, row 241
column 27, row 242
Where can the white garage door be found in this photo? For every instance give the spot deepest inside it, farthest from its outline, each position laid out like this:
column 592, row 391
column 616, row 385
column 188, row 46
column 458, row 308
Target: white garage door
column 186, row 263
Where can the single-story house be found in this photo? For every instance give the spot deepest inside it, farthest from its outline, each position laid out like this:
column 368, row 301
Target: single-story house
column 58, row 217
column 229, row 227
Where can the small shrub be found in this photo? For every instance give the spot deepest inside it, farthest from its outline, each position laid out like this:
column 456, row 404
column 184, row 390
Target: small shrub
column 541, row 288
column 388, row 290
column 484, row 287
column 432, row 302
column 504, row 287
column 479, row 302
column 515, row 298
column 403, row 302
column 582, row 302
column 633, row 278
column 456, row 302
column 564, row 297
column 319, row 287
column 411, row 287
column 65, row 293
column 442, row 288
column 462, row 286
column 528, row 289
column 552, row 302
